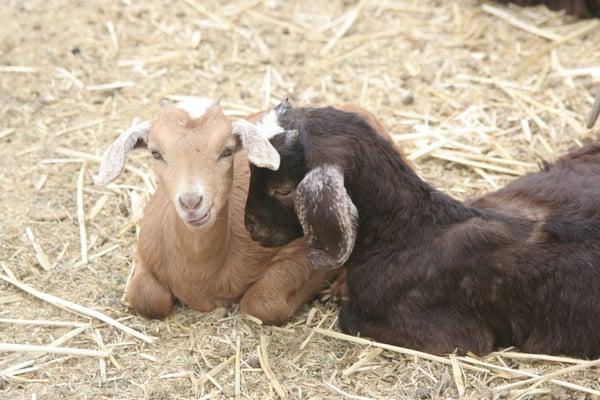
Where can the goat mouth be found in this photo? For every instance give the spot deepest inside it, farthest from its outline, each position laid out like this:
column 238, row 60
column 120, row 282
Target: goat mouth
column 200, row 221
column 263, row 240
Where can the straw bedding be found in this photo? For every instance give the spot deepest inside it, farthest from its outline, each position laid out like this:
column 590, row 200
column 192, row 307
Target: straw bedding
column 476, row 93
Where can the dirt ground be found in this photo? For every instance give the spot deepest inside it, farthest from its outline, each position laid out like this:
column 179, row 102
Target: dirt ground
column 475, row 93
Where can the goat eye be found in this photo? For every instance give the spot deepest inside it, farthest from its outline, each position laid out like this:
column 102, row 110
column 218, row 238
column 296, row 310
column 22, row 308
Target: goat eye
column 157, row 156
column 282, row 192
column 226, row 153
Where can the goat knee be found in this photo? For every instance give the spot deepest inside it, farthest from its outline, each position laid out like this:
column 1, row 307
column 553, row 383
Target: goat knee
column 147, row 296
column 270, row 311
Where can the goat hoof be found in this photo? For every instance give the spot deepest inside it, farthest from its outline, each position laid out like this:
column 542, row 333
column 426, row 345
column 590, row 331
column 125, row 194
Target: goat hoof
column 338, row 291
column 347, row 321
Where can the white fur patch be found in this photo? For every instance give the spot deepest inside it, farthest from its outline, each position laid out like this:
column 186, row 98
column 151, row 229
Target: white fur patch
column 269, row 126
column 195, row 106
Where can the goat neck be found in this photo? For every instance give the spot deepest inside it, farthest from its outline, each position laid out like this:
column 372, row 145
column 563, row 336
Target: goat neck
column 393, row 203
column 396, row 198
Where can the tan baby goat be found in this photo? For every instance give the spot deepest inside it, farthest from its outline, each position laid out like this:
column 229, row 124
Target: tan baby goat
column 193, row 245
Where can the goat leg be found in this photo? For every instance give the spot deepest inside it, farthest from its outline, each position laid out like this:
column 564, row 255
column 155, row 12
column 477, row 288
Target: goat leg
column 146, row 294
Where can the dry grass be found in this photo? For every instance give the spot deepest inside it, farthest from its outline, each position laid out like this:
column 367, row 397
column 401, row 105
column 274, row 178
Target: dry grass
column 476, row 95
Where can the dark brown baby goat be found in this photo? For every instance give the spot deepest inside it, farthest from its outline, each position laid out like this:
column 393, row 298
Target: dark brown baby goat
column 516, row 267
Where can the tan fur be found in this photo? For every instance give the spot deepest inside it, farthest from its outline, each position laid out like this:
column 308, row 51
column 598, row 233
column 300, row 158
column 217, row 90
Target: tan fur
column 216, row 265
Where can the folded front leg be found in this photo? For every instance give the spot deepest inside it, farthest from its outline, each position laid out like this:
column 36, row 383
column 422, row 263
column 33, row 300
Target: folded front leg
column 289, row 282
column 147, row 295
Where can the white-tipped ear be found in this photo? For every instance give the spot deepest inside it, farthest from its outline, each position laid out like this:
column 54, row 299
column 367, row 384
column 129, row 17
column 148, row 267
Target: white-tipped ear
column 328, row 216
column 260, row 151
column 113, row 159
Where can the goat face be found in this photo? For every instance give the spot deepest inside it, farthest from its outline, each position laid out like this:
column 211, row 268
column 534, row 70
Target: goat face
column 270, row 215
column 192, row 144
column 300, row 199
column 193, row 158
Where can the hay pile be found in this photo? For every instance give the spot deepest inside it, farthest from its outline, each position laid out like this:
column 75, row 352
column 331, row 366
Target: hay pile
column 475, row 93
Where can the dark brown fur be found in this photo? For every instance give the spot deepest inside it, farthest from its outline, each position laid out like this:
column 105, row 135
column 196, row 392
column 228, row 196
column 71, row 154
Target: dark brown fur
column 580, row 8
column 516, row 267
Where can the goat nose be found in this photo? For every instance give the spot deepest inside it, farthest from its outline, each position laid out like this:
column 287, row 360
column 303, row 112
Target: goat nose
column 190, row 201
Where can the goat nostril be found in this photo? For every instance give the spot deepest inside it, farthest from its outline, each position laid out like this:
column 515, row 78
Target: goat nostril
column 190, row 201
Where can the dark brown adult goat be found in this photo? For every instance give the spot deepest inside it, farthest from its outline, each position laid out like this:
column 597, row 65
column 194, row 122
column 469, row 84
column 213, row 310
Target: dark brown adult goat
column 516, row 267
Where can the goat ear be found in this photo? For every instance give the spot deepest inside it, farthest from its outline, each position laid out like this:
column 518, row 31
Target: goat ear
column 328, row 216
column 260, row 151
column 113, row 159
column 282, row 107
